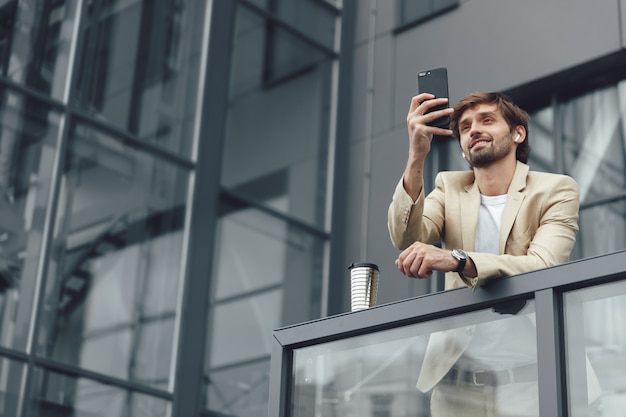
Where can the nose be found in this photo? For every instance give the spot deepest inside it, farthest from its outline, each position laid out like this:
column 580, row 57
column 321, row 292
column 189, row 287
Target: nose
column 475, row 130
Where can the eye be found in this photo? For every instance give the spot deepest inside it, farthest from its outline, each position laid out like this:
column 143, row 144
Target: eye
column 487, row 120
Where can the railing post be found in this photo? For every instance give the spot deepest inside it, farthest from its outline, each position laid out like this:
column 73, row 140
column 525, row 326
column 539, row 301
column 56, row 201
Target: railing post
column 549, row 313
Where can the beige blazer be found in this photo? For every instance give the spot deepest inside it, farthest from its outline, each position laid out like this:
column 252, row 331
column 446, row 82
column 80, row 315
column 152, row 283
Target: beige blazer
column 539, row 222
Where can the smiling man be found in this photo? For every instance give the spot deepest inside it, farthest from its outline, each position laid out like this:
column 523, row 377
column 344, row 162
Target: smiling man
column 496, row 220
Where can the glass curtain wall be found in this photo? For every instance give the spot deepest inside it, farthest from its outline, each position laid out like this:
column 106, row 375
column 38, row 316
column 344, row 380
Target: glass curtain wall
column 585, row 137
column 98, row 105
column 272, row 232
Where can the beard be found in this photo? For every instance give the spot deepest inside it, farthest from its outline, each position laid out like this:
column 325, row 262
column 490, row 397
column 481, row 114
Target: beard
column 493, row 152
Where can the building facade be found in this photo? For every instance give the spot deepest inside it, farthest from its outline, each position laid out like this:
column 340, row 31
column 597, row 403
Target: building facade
column 180, row 177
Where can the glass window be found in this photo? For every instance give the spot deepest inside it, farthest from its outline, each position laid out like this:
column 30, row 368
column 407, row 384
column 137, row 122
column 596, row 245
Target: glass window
column 542, row 139
column 138, row 67
column 35, row 43
column 596, row 350
column 242, row 329
column 274, row 148
column 485, row 359
column 11, row 380
column 411, row 12
column 256, row 252
column 313, row 18
column 602, row 229
column 594, row 141
column 268, row 275
column 28, row 135
column 55, row 394
column 240, row 390
column 592, row 148
column 111, row 299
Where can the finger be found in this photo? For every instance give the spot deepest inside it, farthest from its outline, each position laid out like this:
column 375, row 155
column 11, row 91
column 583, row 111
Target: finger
column 406, row 264
column 424, row 271
column 426, row 105
column 416, row 101
column 415, row 266
column 436, row 114
column 437, row 131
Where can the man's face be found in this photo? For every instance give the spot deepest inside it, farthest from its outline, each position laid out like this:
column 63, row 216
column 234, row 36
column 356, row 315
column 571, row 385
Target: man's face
column 484, row 135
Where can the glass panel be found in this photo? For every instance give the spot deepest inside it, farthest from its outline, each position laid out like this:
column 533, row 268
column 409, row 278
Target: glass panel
column 418, row 10
column 268, row 275
column 281, row 150
column 602, row 229
column 392, row 372
column 111, row 300
column 596, row 350
column 54, row 394
column 138, row 67
column 541, row 136
column 242, row 330
column 35, row 41
column 595, row 141
column 241, row 390
column 11, row 380
column 594, row 152
column 28, row 134
column 313, row 18
column 256, row 252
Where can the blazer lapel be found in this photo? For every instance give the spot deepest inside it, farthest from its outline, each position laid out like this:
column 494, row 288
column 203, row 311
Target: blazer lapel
column 514, row 200
column 470, row 206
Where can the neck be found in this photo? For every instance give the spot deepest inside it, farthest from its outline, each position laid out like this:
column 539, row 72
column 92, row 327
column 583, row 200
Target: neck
column 496, row 178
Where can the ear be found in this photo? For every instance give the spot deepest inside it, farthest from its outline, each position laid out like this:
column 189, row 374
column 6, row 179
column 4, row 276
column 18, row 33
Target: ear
column 519, row 130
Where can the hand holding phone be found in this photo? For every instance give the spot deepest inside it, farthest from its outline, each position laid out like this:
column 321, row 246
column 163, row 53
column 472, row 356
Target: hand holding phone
column 435, row 82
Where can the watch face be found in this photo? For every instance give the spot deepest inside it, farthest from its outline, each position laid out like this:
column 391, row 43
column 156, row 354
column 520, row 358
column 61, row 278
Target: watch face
column 459, row 254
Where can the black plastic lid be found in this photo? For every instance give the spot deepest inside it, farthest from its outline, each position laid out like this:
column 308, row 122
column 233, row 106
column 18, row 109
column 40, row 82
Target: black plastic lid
column 364, row 265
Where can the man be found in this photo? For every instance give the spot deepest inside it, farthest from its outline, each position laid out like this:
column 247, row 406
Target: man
column 537, row 221
column 496, row 220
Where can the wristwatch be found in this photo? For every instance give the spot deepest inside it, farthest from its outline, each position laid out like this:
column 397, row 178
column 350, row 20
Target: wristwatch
column 461, row 256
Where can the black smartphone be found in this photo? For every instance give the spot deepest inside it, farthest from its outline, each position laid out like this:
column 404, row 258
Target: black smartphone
column 435, row 82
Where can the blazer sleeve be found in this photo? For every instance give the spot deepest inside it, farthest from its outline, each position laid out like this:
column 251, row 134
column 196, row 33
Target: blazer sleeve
column 551, row 243
column 422, row 220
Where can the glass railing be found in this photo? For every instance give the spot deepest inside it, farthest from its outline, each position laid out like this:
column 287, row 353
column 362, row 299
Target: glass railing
column 549, row 343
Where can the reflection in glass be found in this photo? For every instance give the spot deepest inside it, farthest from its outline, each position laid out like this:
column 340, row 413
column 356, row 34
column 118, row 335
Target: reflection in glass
column 281, row 150
column 10, row 383
column 595, row 320
column 410, row 11
column 138, row 65
column 595, row 141
column 377, row 373
column 314, row 19
column 602, row 229
column 592, row 147
column 542, row 140
column 113, row 280
column 35, row 41
column 55, row 394
column 28, row 133
column 266, row 277
column 257, row 253
column 240, row 390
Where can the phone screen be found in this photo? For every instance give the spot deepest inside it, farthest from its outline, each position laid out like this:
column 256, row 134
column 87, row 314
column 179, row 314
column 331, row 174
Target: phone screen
column 435, row 82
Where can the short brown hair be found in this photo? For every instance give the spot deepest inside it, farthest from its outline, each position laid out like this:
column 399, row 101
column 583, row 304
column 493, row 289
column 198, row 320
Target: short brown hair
column 513, row 115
